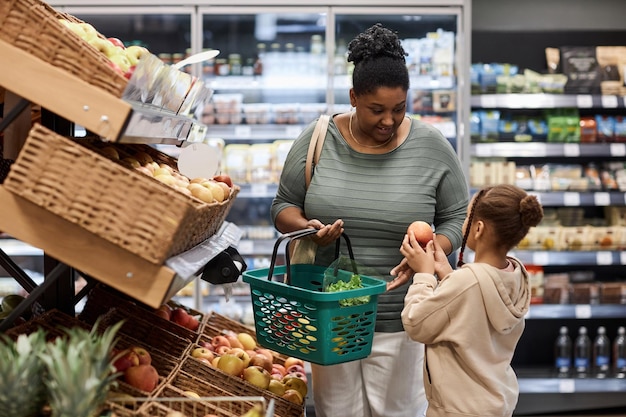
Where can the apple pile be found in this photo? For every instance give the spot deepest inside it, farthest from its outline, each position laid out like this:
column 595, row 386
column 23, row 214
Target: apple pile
column 135, row 366
column 209, row 190
column 238, row 354
column 123, row 59
column 179, row 316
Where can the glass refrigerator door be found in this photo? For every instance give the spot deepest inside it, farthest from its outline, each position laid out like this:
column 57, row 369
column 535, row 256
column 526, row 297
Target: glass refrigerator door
column 436, row 65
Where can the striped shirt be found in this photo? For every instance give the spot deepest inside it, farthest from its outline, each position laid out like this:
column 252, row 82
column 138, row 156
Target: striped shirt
column 378, row 196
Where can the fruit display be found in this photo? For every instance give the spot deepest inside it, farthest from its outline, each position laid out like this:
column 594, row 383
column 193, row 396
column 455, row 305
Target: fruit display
column 123, row 59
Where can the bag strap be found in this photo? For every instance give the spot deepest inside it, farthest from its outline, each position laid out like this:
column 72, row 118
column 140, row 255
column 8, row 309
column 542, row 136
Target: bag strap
column 315, row 147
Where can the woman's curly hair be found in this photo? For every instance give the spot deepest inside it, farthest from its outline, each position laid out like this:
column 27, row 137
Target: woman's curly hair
column 379, row 60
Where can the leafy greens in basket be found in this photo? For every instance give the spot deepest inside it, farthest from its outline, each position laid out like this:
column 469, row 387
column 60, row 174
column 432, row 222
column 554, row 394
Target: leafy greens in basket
column 353, row 284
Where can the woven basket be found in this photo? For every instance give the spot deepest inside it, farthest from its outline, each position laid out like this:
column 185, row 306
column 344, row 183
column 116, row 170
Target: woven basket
column 33, row 26
column 234, row 384
column 125, row 207
column 101, row 300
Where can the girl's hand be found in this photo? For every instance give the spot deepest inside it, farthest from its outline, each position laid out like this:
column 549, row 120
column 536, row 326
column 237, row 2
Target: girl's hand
column 442, row 266
column 402, row 272
column 419, row 260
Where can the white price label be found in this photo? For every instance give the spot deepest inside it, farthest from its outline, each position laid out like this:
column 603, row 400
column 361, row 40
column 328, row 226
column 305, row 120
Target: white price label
column 483, row 150
column 584, row 101
column 567, row 386
column 582, row 311
column 601, row 199
column 571, row 199
column 622, row 258
column 571, row 149
column 243, row 131
column 540, row 258
column 488, row 101
column 258, row 190
column 618, row 149
column 609, row 102
column 541, row 149
column 604, row 258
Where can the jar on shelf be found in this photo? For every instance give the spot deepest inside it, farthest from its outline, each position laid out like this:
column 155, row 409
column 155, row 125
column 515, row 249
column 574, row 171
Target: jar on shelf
column 234, row 62
column 222, row 67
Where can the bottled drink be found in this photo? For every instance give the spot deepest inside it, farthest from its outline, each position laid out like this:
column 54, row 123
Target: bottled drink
column 582, row 353
column 601, row 354
column 619, row 353
column 563, row 353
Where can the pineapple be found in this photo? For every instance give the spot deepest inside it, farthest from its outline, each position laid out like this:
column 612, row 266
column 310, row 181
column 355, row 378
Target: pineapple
column 80, row 371
column 22, row 392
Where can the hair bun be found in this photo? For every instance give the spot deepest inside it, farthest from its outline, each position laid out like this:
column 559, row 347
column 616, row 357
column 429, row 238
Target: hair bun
column 377, row 41
column 531, row 211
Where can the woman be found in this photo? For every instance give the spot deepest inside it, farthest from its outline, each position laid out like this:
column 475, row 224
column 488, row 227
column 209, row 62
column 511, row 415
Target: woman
column 472, row 319
column 378, row 172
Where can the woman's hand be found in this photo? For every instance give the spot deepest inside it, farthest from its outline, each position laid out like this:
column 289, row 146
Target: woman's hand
column 402, row 273
column 419, row 260
column 326, row 234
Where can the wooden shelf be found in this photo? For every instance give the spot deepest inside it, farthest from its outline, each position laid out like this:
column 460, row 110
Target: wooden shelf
column 88, row 253
column 39, row 82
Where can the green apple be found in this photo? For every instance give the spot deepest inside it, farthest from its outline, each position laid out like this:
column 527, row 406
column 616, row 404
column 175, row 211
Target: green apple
column 134, row 53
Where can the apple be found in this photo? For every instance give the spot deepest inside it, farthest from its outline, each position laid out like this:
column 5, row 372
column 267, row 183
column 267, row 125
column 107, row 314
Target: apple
column 295, row 383
column 111, row 152
column 180, row 316
column 202, row 193
column 267, row 353
column 164, row 311
column 293, row 396
column 125, row 359
column 276, row 387
column 234, row 341
column 116, row 42
column 216, row 191
column 296, row 367
column 222, row 349
column 135, row 52
column 142, row 377
column 193, row 323
column 257, row 376
column 225, row 178
column 207, row 345
column 423, row 232
column 291, row 361
column 225, row 188
column 297, row 374
column 278, row 368
column 142, row 354
column 260, row 360
column 240, row 353
column 220, row 340
column 201, row 352
column 231, row 364
column 246, row 340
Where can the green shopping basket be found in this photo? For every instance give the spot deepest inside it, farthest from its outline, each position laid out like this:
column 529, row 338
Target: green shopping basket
column 293, row 316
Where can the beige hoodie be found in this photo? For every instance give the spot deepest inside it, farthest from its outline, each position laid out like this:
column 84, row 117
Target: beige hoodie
column 471, row 323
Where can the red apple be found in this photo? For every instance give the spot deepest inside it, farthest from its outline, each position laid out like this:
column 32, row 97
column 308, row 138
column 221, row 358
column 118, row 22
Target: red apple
column 192, row 323
column 117, row 42
column 142, row 354
column 291, row 361
column 296, row 367
column 143, row 377
column 125, row 359
column 225, row 178
column 180, row 316
column 164, row 311
column 423, row 232
column 220, row 340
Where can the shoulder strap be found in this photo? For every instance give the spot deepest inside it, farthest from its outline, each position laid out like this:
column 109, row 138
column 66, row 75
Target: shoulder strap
column 315, row 147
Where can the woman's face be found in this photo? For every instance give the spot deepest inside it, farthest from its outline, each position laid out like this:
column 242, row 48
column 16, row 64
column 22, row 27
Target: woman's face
column 380, row 113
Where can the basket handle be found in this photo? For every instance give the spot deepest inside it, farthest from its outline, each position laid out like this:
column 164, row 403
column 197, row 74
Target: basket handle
column 297, row 235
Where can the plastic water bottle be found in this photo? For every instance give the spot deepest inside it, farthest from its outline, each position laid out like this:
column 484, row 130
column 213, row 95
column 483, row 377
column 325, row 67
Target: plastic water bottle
column 619, row 353
column 601, row 354
column 582, row 353
column 563, row 353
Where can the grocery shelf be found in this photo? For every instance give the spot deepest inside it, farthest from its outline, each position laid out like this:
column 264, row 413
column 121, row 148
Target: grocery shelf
column 578, row 199
column 540, row 150
column 260, row 132
column 147, row 282
column 576, row 311
column 258, row 191
column 546, row 101
column 570, row 258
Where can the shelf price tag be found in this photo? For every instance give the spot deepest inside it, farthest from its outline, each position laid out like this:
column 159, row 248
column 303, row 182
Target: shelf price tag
column 258, row 190
column 584, row 100
column 601, row 199
column 540, row 258
column 246, row 246
column 293, row 131
column 571, row 199
column 582, row 311
column 609, row 102
column 571, row 149
column 567, row 385
column 622, row 258
column 483, row 150
column 617, row 149
column 604, row 258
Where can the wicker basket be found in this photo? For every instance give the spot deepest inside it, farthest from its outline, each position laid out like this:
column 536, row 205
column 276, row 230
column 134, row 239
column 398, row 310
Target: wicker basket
column 125, row 207
column 33, row 26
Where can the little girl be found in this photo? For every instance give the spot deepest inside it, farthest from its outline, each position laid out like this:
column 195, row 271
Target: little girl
column 471, row 319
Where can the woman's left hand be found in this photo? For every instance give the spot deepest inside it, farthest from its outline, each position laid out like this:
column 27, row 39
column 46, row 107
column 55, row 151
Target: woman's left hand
column 402, row 272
